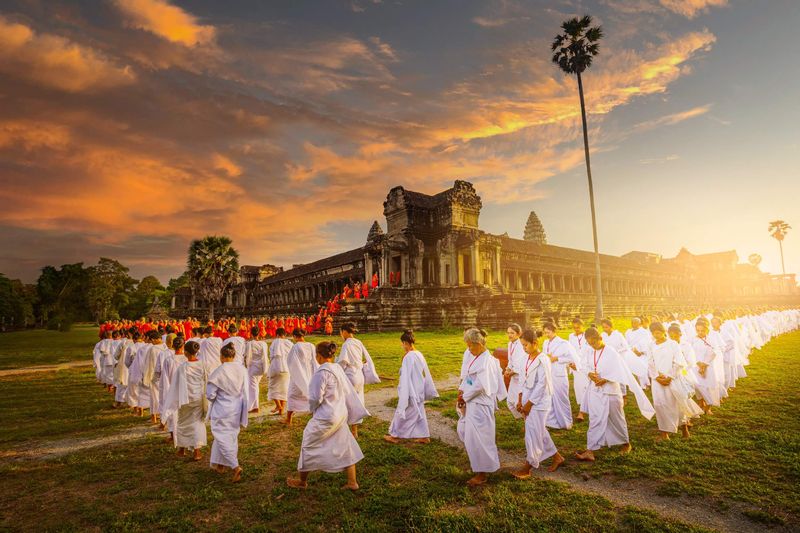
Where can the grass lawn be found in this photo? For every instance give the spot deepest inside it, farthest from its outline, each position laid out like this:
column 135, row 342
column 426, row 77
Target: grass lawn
column 748, row 451
column 141, row 485
column 45, row 347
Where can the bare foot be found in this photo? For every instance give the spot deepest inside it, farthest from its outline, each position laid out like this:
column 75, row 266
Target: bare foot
column 477, row 479
column 237, row 474
column 219, row 469
column 558, row 460
column 296, row 483
column 425, row 440
column 586, row 455
column 579, row 418
column 253, row 410
column 522, row 473
column 685, row 431
column 393, row 440
column 181, row 452
column 626, row 448
column 168, row 440
column 348, row 486
column 662, row 437
column 197, row 455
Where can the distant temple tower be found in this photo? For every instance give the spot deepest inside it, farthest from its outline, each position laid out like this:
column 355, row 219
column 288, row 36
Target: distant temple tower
column 534, row 230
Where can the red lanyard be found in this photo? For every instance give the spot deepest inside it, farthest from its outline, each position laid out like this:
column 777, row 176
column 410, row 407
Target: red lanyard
column 597, row 357
column 528, row 365
column 579, row 337
column 511, row 351
column 473, row 361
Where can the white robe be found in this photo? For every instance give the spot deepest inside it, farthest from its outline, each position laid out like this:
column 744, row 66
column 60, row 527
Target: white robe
column 482, row 388
column 256, row 360
column 560, row 415
column 149, row 377
column 121, row 371
column 672, row 402
column 516, row 359
column 708, row 385
column 278, row 372
column 169, row 364
column 209, row 353
column 138, row 391
column 227, row 392
column 415, row 387
column 328, row 444
column 351, row 358
column 186, row 405
column 607, row 425
column 636, row 364
column 302, row 365
column 239, row 344
column 579, row 380
column 537, row 388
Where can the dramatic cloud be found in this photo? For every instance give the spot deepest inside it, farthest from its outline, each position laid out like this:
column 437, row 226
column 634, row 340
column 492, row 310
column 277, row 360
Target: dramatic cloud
column 692, row 8
column 56, row 62
column 167, row 21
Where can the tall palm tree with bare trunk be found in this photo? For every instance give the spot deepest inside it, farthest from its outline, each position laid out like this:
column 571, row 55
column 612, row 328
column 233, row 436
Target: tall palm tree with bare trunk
column 778, row 230
column 213, row 266
column 573, row 51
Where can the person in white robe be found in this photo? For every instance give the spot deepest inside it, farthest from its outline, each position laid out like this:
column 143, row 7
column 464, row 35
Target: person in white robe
column 715, row 339
column 356, row 363
column 162, row 383
column 513, row 371
column 671, row 392
column 186, row 404
column 579, row 380
column 149, row 380
column 121, row 371
column 480, row 390
column 278, row 373
column 171, row 359
column 534, row 402
column 414, row 389
column 731, row 357
column 564, row 358
column 328, row 444
column 237, row 341
column 302, row 364
column 109, row 358
column 706, row 372
column 607, row 371
column 209, row 350
column 636, row 363
column 227, row 393
column 256, row 360
column 138, row 392
column 97, row 358
column 639, row 340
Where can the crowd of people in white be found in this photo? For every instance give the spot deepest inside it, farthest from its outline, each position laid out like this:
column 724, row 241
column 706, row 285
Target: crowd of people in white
column 689, row 365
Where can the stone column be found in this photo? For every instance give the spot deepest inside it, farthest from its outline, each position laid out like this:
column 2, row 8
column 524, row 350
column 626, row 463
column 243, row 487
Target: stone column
column 368, row 269
column 475, row 262
column 498, row 280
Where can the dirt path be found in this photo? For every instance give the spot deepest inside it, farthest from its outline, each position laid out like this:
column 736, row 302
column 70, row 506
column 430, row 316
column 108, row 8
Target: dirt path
column 44, row 368
column 622, row 493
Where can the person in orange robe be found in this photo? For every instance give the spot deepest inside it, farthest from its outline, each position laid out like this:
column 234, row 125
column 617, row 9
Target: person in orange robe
column 302, row 323
column 364, row 291
column 391, row 279
column 318, row 323
column 262, row 328
column 187, row 329
column 329, row 326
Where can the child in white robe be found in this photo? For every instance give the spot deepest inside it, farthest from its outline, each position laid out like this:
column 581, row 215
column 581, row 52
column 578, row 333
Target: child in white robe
column 302, row 364
column 170, row 361
column 209, row 350
column 478, row 394
column 415, row 387
column 328, row 444
column 534, row 402
column 186, row 404
column 513, row 371
column 579, row 380
column 227, row 393
column 606, row 372
column 121, row 371
column 149, row 378
column 278, row 373
column 636, row 363
column 706, row 371
column 256, row 360
column 671, row 398
column 355, row 361
column 138, row 392
column 563, row 357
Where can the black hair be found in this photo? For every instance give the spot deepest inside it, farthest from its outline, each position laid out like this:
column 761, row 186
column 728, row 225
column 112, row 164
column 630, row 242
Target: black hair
column 530, row 336
column 349, row 327
column 591, row 333
column 191, row 348
column 136, row 335
column 228, row 351
column 577, row 320
column 676, row 328
column 153, row 335
column 298, row 332
column 550, row 326
column 516, row 327
column 170, row 329
column 607, row 322
column 254, row 331
column 208, row 330
column 115, row 333
column 657, row 326
column 177, row 343
column 280, row 332
column 408, row 336
column 326, row 349
column 232, row 328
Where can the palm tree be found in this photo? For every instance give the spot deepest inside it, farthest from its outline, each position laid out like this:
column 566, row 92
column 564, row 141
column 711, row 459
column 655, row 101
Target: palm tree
column 778, row 230
column 573, row 51
column 213, row 265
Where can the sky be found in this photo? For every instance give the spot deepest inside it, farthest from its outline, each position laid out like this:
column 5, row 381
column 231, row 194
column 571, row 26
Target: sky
column 128, row 128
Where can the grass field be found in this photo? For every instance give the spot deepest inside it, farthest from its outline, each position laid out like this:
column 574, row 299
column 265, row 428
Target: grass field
column 749, row 451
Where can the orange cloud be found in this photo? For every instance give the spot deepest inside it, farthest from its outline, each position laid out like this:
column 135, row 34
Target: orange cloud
column 56, row 62
column 692, row 8
column 167, row 21
column 225, row 164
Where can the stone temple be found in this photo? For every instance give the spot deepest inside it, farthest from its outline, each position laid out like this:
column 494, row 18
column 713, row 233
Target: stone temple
column 453, row 274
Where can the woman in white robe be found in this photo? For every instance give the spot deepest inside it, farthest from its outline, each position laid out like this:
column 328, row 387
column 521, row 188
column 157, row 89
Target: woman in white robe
column 149, row 378
column 328, row 444
column 534, row 402
column 302, row 363
column 415, row 387
column 353, row 357
column 563, row 357
column 706, row 372
column 138, row 392
column 209, row 350
column 607, row 371
column 278, row 373
column 671, row 398
column 482, row 387
column 256, row 359
column 513, row 371
column 121, row 371
column 227, row 393
column 636, row 363
column 171, row 360
column 579, row 380
column 186, row 404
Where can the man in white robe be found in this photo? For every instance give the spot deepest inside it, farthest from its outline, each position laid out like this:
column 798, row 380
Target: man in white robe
column 227, row 393
column 415, row 387
column 328, row 444
column 563, row 357
column 482, row 387
column 607, row 371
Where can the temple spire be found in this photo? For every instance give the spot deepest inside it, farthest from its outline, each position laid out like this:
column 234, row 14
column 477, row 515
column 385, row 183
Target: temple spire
column 534, row 230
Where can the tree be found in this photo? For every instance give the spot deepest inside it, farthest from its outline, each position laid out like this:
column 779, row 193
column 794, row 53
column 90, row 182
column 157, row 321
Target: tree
column 142, row 298
column 16, row 303
column 172, row 287
column 110, row 288
column 534, row 230
column 754, row 259
column 573, row 52
column 213, row 265
column 62, row 295
column 778, row 230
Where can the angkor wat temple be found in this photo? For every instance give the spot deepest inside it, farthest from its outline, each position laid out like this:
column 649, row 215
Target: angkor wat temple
column 451, row 273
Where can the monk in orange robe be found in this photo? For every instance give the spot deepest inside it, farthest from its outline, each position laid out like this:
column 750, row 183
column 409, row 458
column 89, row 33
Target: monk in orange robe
column 365, row 291
column 328, row 326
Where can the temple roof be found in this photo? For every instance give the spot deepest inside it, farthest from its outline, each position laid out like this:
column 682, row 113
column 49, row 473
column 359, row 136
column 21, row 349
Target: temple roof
column 322, row 264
